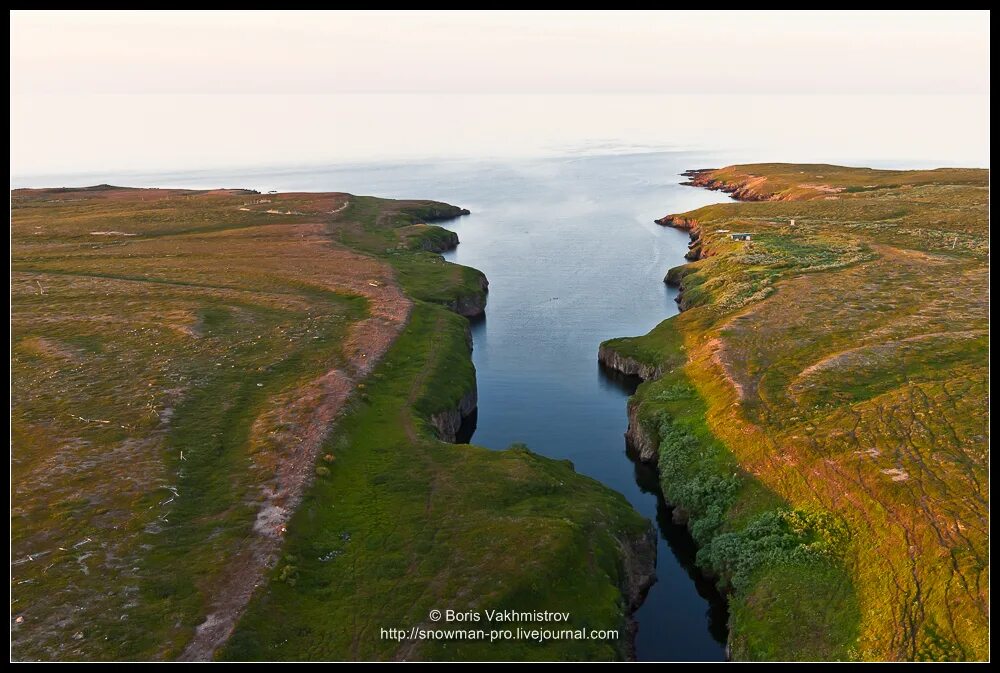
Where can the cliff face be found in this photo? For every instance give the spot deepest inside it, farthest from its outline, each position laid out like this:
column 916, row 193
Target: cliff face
column 695, row 251
column 442, row 212
column 626, row 365
column 747, row 188
column 675, row 275
column 638, row 442
column 472, row 305
column 639, row 563
column 638, row 575
column 448, row 422
column 443, row 241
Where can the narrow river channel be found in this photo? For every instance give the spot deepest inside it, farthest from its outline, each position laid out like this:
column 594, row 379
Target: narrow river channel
column 573, row 258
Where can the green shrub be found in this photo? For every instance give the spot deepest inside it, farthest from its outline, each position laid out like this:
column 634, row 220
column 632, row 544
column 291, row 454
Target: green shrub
column 773, row 538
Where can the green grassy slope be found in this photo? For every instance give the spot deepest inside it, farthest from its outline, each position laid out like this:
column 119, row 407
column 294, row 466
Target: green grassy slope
column 823, row 414
column 402, row 524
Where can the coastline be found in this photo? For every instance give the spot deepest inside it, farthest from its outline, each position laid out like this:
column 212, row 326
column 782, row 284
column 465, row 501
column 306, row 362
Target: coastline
column 769, row 532
column 657, row 360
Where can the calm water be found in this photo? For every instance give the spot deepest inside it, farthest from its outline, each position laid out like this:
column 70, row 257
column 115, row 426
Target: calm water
column 573, row 258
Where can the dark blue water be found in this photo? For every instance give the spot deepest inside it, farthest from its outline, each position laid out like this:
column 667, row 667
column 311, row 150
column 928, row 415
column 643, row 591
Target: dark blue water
column 573, row 258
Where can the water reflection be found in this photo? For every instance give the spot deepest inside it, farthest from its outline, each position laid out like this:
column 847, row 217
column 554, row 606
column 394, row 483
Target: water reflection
column 683, row 548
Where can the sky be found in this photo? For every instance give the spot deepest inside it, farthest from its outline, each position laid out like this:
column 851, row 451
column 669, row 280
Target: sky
column 147, row 89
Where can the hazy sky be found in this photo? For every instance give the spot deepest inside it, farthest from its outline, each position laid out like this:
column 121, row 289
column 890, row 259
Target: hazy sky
column 487, row 52
column 171, row 89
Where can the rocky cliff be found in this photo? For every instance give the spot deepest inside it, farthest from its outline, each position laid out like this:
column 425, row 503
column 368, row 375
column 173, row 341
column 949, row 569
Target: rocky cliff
column 638, row 441
column 695, row 251
column 443, row 241
column 448, row 422
column 472, row 305
column 747, row 188
column 638, row 575
column 678, row 222
column 626, row 365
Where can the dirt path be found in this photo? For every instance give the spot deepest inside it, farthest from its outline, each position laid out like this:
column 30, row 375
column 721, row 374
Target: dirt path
column 305, row 415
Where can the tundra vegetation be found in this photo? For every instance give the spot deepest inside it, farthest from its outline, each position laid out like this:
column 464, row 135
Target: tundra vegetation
column 222, row 439
column 822, row 414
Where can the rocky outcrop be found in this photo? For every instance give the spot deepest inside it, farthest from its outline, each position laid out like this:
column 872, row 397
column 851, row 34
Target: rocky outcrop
column 472, row 305
column 746, row 188
column 638, row 556
column 448, row 423
column 675, row 278
column 611, row 358
column 441, row 212
column 687, row 224
column 441, row 241
column 675, row 275
column 678, row 222
column 639, row 442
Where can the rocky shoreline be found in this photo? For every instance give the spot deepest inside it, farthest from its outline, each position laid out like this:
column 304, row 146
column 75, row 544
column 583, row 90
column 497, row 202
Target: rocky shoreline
column 742, row 190
column 472, row 306
column 639, row 568
column 643, row 445
column 689, row 225
column 448, row 423
column 443, row 242
column 612, row 359
column 639, row 443
column 696, row 250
